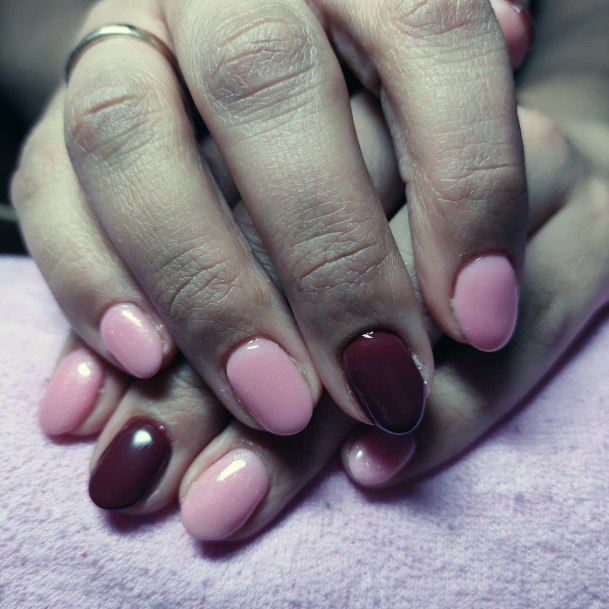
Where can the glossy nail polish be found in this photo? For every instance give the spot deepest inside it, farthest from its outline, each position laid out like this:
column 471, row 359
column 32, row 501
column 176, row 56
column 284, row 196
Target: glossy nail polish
column 485, row 302
column 517, row 28
column 133, row 340
column 223, row 498
column 375, row 456
column 72, row 393
column 131, row 465
column 386, row 380
column 527, row 21
column 270, row 386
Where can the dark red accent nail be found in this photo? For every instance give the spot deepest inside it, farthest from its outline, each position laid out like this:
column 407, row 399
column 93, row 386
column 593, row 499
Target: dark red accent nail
column 131, row 465
column 383, row 375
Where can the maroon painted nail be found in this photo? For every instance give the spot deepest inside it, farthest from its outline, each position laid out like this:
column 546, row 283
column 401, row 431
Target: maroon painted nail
column 382, row 373
column 131, row 465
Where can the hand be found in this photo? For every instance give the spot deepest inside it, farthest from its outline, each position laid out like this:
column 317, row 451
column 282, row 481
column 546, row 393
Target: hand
column 567, row 275
column 141, row 253
column 270, row 470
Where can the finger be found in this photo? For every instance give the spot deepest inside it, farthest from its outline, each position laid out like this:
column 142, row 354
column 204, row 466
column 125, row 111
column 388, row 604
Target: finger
column 377, row 149
column 513, row 17
column 474, row 391
column 371, row 458
column 374, row 142
column 95, row 291
column 516, row 26
column 82, row 394
column 136, row 155
column 552, row 167
column 154, row 435
column 270, row 89
column 448, row 95
column 243, row 479
column 558, row 300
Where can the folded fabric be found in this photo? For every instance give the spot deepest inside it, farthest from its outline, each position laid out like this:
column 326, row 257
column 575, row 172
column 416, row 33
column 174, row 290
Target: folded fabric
column 520, row 522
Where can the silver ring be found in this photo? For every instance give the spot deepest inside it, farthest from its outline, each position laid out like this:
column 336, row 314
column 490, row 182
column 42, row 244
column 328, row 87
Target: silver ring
column 118, row 29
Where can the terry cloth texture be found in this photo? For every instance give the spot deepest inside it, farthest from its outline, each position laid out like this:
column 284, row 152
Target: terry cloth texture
column 520, row 522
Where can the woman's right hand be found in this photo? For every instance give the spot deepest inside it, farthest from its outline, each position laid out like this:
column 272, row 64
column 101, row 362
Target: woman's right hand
column 136, row 241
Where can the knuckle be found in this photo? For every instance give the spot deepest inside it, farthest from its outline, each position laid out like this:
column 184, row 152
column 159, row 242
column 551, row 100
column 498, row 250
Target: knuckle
column 197, row 284
column 112, row 119
column 79, row 274
column 477, row 182
column 548, row 317
column 262, row 59
column 81, row 279
column 418, row 19
column 337, row 261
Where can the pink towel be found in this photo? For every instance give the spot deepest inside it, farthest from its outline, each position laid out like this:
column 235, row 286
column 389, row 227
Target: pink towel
column 520, row 522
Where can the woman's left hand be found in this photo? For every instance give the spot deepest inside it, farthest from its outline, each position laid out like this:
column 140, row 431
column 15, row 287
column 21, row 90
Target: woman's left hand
column 569, row 223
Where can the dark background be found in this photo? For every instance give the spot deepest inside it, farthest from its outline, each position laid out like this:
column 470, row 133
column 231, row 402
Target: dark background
column 35, row 38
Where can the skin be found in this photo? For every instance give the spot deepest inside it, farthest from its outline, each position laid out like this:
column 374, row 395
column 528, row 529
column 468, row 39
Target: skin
column 569, row 199
column 466, row 401
column 268, row 85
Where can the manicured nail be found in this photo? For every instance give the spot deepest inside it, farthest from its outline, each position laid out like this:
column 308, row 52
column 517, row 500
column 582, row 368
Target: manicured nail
column 486, row 302
column 517, row 27
column 223, row 498
column 72, row 393
column 131, row 465
column 133, row 340
column 383, row 374
column 270, row 386
column 376, row 457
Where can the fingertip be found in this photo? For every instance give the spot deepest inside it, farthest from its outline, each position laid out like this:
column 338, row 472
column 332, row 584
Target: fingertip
column 270, row 385
column 485, row 302
column 223, row 498
column 72, row 393
column 136, row 341
column 372, row 457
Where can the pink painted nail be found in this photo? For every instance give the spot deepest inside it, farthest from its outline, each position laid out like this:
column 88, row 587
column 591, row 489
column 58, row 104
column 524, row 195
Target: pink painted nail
column 223, row 498
column 133, row 339
column 270, row 386
column 486, row 302
column 72, row 393
column 517, row 27
column 376, row 456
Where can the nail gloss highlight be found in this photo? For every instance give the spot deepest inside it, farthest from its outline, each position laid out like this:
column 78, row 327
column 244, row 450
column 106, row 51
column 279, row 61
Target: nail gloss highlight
column 131, row 465
column 375, row 457
column 270, row 386
column 224, row 497
column 382, row 373
column 72, row 393
column 132, row 339
column 485, row 302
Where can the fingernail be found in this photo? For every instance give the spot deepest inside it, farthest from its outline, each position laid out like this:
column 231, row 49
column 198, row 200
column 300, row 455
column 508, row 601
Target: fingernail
column 517, row 27
column 376, row 457
column 223, row 498
column 270, row 386
column 383, row 374
column 72, row 393
column 486, row 302
column 133, row 340
column 131, row 465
